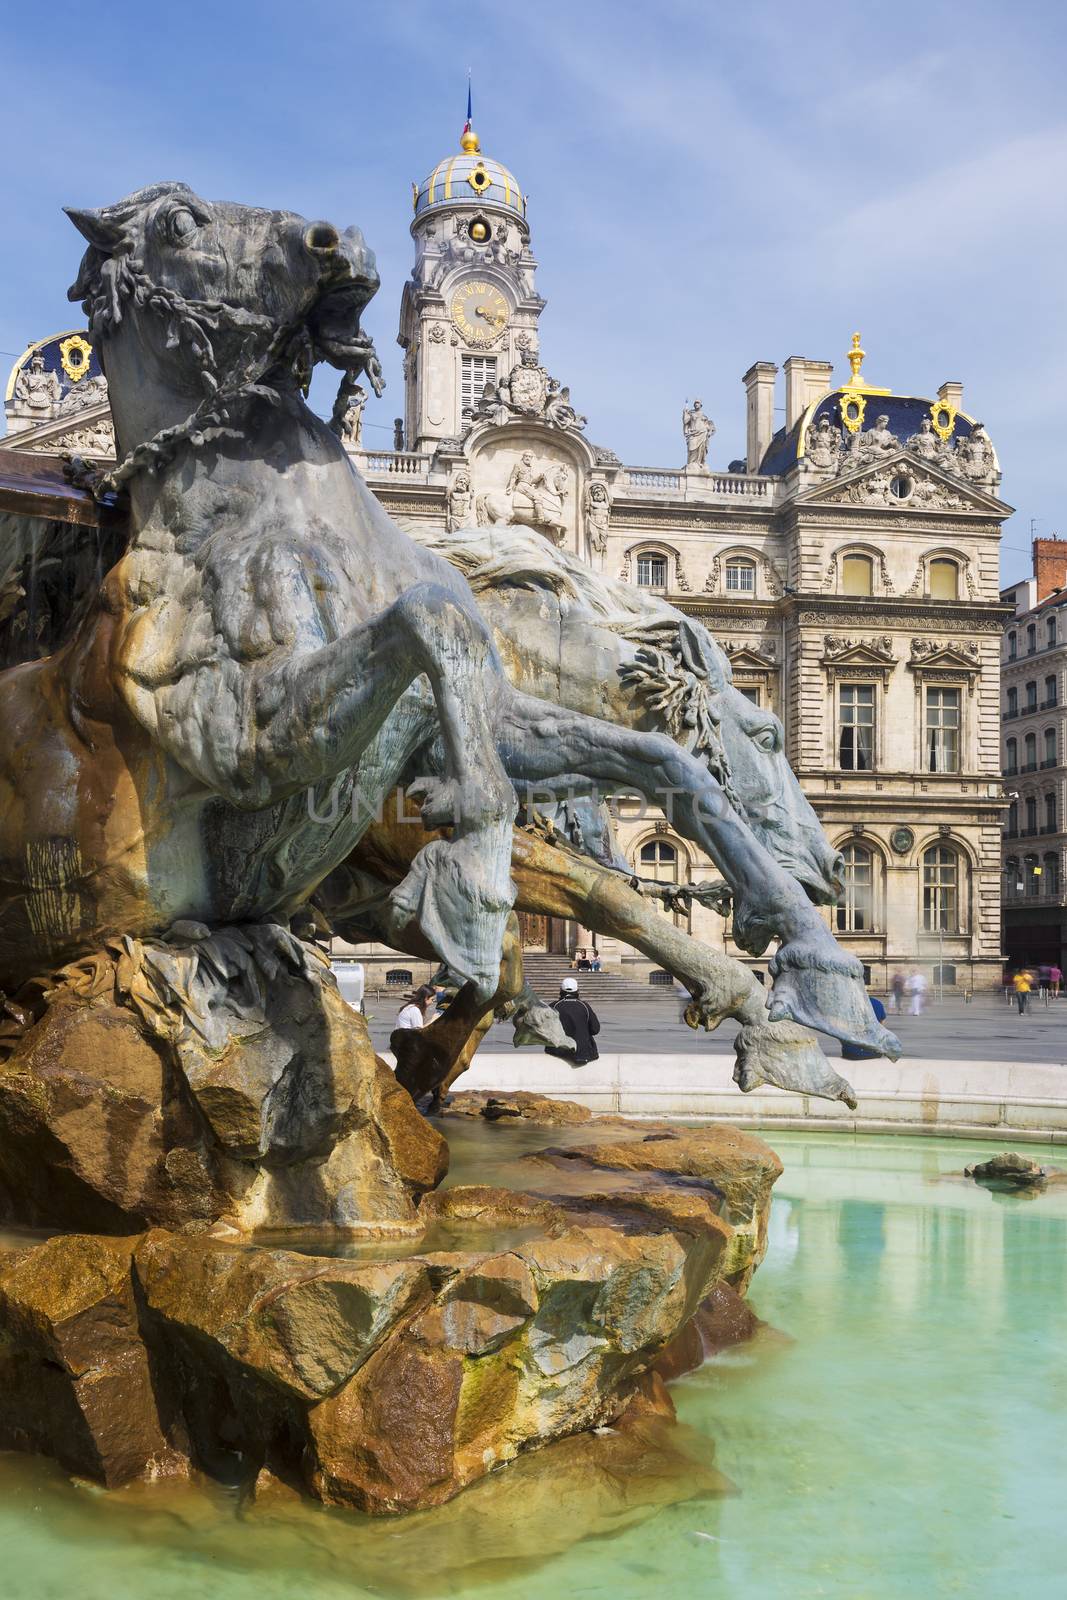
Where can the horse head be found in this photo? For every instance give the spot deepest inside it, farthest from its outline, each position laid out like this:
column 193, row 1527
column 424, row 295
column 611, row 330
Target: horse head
column 754, row 770
column 188, row 297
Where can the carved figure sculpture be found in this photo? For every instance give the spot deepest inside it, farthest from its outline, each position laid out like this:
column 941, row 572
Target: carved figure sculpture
column 597, row 508
column 240, row 656
column 459, row 500
column 925, row 443
column 823, row 449
column 697, row 429
column 533, row 497
column 352, row 421
column 974, row 457
column 37, row 390
column 870, row 445
column 558, row 409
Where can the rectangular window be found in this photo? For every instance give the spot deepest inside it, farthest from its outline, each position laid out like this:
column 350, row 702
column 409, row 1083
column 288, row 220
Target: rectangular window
column 652, row 572
column 942, row 730
column 855, row 745
column 740, row 577
column 475, row 373
column 752, row 694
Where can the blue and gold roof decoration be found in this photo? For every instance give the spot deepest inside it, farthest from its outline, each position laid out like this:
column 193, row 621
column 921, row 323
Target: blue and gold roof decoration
column 855, row 405
column 469, row 178
column 69, row 357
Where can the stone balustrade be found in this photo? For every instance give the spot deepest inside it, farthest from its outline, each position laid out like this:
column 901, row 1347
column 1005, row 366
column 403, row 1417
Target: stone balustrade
column 710, row 485
column 394, row 463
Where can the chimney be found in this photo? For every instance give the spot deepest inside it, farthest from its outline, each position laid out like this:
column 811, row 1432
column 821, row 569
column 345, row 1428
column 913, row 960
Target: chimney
column 951, row 394
column 759, row 398
column 1050, row 560
column 805, row 381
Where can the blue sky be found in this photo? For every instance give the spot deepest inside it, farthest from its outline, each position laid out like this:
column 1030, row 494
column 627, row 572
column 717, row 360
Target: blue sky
column 709, row 185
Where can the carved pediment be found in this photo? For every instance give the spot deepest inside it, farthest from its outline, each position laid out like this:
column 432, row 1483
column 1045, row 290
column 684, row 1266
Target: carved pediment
column 869, row 657
column 751, row 657
column 903, row 483
column 89, row 432
column 954, row 656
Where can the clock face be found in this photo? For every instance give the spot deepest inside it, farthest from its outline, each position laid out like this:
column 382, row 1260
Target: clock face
column 479, row 312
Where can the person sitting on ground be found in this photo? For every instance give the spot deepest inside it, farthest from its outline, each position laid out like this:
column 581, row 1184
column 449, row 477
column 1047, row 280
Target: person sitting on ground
column 576, row 958
column 594, row 961
column 419, row 1010
column 579, row 1022
column 859, row 1052
column 1022, row 986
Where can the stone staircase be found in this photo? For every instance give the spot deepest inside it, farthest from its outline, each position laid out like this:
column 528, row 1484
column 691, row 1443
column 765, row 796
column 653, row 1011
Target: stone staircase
column 545, row 972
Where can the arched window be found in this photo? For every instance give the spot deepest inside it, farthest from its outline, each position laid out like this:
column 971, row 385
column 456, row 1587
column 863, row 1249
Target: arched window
column 1011, row 757
column 1013, row 645
column 1013, row 818
column 1049, row 757
column 941, row 889
column 1031, row 638
column 1030, row 753
column 1050, row 811
column 1013, row 703
column 1031, row 695
column 1031, row 813
column 1012, row 884
column 1050, row 877
column 651, row 571
column 857, row 575
column 663, row 862
column 1050, row 630
column 944, row 580
column 855, row 909
column 740, row 576
column 1051, row 696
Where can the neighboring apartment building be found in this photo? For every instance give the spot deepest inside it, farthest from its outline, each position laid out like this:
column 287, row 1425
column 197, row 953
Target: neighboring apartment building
column 848, row 564
column 1034, row 737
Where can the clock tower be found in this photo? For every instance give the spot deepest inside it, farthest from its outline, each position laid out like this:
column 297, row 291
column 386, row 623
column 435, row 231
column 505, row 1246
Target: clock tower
column 469, row 311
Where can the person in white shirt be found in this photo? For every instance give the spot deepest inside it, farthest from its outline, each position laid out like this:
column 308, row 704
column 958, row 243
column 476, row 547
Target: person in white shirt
column 419, row 1009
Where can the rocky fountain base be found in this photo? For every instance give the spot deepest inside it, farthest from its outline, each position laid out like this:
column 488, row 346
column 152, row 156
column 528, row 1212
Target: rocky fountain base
column 241, row 1266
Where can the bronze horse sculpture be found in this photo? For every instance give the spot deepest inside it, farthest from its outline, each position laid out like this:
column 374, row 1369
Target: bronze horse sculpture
column 269, row 636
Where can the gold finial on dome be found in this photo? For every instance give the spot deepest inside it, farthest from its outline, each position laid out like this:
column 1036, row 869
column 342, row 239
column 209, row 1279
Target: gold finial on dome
column 855, row 361
column 469, row 142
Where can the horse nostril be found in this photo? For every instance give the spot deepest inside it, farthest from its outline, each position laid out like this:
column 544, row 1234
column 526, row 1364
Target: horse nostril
column 323, row 238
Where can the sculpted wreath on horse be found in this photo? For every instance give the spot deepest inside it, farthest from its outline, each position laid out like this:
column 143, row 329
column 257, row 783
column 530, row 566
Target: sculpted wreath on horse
column 270, row 644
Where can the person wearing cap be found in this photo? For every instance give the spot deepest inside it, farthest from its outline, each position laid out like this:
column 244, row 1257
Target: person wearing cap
column 579, row 1022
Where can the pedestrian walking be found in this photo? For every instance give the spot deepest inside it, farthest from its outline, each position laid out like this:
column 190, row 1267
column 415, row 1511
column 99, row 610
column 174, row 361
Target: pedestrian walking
column 896, row 989
column 1021, row 984
column 1044, row 978
column 915, row 988
column 579, row 1022
column 1055, row 978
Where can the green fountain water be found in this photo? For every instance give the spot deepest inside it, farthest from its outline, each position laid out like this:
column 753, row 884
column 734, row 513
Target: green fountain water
column 906, row 1437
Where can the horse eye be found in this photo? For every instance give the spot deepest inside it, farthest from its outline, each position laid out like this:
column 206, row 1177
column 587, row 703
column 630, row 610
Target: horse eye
column 767, row 740
column 181, row 225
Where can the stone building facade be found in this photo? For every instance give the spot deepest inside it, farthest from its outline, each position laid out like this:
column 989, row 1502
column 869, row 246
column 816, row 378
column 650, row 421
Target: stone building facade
column 849, row 565
column 1034, row 735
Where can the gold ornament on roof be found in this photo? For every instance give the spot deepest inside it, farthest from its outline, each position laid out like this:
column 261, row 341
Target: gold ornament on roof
column 943, row 417
column 469, row 142
column 852, row 407
column 479, row 179
column 75, row 354
column 855, row 361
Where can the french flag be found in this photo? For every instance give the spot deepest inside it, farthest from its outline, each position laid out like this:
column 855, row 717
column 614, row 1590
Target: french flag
column 467, row 124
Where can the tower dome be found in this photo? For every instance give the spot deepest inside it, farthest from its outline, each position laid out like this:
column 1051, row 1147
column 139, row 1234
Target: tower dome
column 470, row 178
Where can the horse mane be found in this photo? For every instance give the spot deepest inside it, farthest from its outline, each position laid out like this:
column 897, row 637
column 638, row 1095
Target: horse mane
column 506, row 557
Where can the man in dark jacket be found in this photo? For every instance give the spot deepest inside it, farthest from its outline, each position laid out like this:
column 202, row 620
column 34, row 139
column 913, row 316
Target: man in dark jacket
column 579, row 1022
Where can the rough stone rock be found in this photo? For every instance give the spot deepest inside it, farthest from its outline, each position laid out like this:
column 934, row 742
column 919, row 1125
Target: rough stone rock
column 300, row 1323
column 721, row 1320
column 739, row 1169
column 391, row 1383
column 105, row 1126
column 74, row 1374
column 1011, row 1169
column 519, row 1103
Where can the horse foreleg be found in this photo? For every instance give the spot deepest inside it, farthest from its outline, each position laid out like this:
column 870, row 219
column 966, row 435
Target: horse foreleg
column 816, row 983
